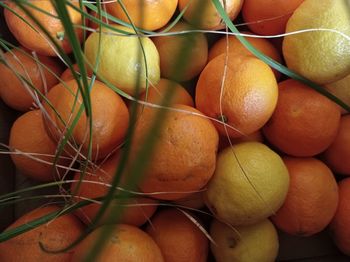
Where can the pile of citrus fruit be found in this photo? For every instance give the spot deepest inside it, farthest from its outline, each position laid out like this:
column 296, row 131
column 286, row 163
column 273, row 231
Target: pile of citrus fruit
column 194, row 148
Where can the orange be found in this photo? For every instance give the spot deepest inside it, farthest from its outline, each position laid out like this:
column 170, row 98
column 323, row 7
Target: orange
column 125, row 243
column 233, row 45
column 146, row 14
column 15, row 92
column 95, row 183
column 36, row 150
column 109, row 112
column 304, row 123
column 54, row 235
column 35, row 39
column 193, row 201
column 179, row 238
column 226, row 91
column 312, row 198
column 156, row 94
column 337, row 154
column 340, row 225
column 67, row 74
column 184, row 156
column 268, row 17
column 203, row 14
column 174, row 48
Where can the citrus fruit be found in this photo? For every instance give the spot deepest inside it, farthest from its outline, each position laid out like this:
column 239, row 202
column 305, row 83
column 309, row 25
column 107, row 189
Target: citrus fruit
column 53, row 235
column 257, row 242
column 250, row 183
column 124, row 243
column 225, row 141
column 340, row 225
column 92, row 24
column 337, row 154
column 203, row 14
column 110, row 117
column 184, row 156
column 33, row 151
column 146, row 14
column 179, row 238
column 96, row 183
column 28, row 33
column 14, row 91
column 156, row 94
column 226, row 91
column 312, row 197
column 323, row 57
column 304, row 122
column 182, row 56
column 268, row 17
column 341, row 89
column 231, row 44
column 121, row 59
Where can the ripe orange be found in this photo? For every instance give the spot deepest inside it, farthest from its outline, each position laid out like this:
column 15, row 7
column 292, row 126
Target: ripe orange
column 96, row 183
column 67, row 74
column 193, row 46
column 179, row 238
column 340, row 225
column 203, row 14
column 231, row 44
column 156, row 94
column 109, row 112
column 37, row 150
column 304, row 123
column 15, row 92
column 54, row 235
column 337, row 154
column 35, row 39
column 312, row 198
column 149, row 15
column 225, row 141
column 268, row 17
column 227, row 91
column 184, row 156
column 125, row 243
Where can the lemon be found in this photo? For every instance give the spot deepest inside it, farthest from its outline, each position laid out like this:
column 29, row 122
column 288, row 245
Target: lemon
column 257, row 242
column 320, row 56
column 249, row 184
column 341, row 89
column 121, row 61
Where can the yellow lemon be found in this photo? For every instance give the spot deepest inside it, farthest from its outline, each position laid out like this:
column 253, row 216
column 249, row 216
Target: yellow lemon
column 257, row 242
column 321, row 56
column 123, row 60
column 250, row 183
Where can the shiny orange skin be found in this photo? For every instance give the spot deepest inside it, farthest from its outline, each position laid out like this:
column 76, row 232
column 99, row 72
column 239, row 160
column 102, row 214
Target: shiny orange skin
column 54, row 235
column 13, row 90
column 139, row 211
column 125, row 243
column 110, row 117
column 179, row 238
column 243, row 102
column 184, row 156
column 312, row 198
column 337, row 155
column 268, row 17
column 304, row 122
column 146, row 14
column 340, row 225
column 233, row 45
column 28, row 135
column 31, row 38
